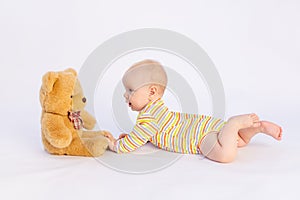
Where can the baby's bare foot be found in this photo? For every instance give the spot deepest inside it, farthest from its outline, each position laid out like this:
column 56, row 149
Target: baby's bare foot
column 246, row 121
column 271, row 129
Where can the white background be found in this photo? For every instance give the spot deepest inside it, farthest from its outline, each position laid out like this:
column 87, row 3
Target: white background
column 255, row 46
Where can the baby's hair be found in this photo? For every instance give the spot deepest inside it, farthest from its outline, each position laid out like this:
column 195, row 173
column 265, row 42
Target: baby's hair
column 145, row 62
column 158, row 73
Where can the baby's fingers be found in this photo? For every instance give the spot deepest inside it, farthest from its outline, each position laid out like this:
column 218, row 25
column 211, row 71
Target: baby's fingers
column 122, row 135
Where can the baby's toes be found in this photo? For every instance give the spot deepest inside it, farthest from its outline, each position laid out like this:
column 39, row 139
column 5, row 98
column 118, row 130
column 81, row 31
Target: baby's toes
column 254, row 117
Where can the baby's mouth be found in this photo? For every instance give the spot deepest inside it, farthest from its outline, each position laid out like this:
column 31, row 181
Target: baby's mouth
column 129, row 104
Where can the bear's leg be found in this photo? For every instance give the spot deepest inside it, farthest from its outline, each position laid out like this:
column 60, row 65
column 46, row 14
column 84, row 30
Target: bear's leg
column 91, row 134
column 96, row 145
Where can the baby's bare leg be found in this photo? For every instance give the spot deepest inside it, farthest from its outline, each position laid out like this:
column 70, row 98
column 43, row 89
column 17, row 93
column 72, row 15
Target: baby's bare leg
column 225, row 148
column 265, row 127
column 245, row 135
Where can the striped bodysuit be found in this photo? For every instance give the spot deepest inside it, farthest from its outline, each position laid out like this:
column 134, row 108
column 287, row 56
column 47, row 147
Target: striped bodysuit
column 168, row 130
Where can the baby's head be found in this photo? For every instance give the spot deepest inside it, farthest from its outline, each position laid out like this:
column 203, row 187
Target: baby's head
column 144, row 81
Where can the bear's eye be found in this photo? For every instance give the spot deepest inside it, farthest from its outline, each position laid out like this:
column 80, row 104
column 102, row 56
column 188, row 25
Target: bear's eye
column 71, row 96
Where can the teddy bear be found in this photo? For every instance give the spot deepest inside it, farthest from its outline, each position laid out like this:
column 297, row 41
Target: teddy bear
column 66, row 126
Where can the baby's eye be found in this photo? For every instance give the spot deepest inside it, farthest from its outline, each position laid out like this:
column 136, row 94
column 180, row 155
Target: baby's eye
column 130, row 90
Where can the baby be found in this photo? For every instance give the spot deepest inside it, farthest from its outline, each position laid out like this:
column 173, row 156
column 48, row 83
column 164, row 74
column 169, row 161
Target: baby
column 145, row 83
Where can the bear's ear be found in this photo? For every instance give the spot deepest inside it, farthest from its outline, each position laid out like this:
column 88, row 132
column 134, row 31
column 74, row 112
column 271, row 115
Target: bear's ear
column 48, row 81
column 71, row 70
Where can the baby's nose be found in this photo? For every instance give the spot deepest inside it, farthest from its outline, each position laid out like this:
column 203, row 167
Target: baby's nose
column 126, row 96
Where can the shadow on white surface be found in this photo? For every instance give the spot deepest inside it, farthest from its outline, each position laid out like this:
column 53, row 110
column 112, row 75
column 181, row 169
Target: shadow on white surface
column 264, row 169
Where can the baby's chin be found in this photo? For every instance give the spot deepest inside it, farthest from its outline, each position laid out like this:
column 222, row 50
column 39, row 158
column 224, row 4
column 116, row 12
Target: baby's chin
column 133, row 108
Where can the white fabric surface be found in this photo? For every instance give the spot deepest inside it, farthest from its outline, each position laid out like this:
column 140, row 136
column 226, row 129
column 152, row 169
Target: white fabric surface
column 265, row 169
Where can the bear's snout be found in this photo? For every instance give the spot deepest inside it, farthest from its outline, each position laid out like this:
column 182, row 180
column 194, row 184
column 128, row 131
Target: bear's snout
column 83, row 99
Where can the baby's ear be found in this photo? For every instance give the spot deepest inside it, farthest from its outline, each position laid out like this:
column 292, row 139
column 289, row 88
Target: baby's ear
column 153, row 89
column 48, row 81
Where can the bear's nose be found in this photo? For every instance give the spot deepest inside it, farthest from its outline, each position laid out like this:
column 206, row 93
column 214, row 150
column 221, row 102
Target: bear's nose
column 83, row 99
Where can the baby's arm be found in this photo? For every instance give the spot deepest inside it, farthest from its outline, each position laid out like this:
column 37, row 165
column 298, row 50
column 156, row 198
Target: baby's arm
column 127, row 143
column 141, row 134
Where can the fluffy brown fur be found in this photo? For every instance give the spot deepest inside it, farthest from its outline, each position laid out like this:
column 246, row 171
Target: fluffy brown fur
column 60, row 93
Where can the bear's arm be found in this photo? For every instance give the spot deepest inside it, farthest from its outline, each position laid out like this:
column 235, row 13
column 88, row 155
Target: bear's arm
column 56, row 131
column 88, row 120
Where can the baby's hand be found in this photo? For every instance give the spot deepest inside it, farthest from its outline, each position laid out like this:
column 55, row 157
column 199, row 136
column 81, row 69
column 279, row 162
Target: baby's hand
column 110, row 139
column 108, row 135
column 122, row 135
column 111, row 143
